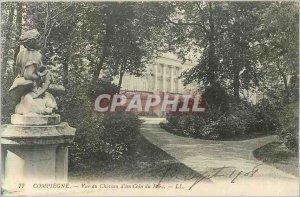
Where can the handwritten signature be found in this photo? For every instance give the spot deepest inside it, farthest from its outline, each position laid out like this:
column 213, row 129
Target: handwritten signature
column 232, row 173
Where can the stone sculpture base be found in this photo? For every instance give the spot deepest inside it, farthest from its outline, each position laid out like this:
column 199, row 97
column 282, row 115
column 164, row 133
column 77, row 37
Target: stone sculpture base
column 34, row 149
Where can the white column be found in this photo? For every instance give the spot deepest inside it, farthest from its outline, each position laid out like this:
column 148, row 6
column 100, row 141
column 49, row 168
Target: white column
column 139, row 83
column 180, row 87
column 172, row 78
column 164, row 78
column 131, row 86
column 145, row 79
column 134, row 83
column 155, row 77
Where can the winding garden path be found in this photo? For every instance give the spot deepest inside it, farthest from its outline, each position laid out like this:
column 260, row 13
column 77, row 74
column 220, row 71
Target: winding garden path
column 205, row 155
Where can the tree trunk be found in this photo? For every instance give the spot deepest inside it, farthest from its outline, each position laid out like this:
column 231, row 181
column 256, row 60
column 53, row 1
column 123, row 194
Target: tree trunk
column 7, row 41
column 18, row 33
column 236, row 85
column 122, row 72
column 285, row 82
column 106, row 40
column 66, row 71
column 47, row 20
column 212, row 65
column 68, row 59
column 286, row 95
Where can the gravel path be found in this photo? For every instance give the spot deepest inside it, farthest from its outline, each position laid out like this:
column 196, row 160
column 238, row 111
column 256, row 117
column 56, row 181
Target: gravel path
column 204, row 156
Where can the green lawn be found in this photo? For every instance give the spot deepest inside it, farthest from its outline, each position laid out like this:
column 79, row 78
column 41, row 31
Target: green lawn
column 277, row 155
column 146, row 162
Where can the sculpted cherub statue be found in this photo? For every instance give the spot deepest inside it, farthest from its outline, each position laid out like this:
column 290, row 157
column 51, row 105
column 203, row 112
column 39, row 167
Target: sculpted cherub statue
column 31, row 86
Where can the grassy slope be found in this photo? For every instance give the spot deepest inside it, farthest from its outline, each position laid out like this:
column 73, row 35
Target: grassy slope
column 145, row 162
column 277, row 155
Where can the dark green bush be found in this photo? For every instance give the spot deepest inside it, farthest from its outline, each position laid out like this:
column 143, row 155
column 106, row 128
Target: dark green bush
column 214, row 113
column 266, row 115
column 238, row 120
column 8, row 102
column 187, row 125
column 289, row 126
column 210, row 131
column 231, row 126
column 102, row 86
column 242, row 114
column 173, row 118
column 215, row 96
column 104, row 137
column 98, row 136
column 120, row 130
column 226, row 126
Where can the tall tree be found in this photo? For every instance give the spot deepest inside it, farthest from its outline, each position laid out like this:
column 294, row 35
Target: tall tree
column 134, row 39
column 239, row 48
column 7, row 15
column 224, row 38
column 11, row 23
column 279, row 48
column 197, row 29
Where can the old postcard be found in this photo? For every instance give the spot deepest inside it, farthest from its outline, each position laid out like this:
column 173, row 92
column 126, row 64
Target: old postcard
column 149, row 98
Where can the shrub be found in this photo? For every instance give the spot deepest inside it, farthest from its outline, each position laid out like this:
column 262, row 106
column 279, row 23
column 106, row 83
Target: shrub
column 98, row 136
column 121, row 128
column 266, row 115
column 173, row 118
column 8, row 102
column 102, row 86
column 214, row 113
column 186, row 125
column 240, row 119
column 242, row 114
column 226, row 126
column 209, row 131
column 215, row 96
column 104, row 137
column 231, row 126
column 288, row 131
column 235, row 122
column 88, row 142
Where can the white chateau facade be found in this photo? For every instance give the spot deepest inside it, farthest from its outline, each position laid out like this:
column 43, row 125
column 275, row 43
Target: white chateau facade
column 161, row 76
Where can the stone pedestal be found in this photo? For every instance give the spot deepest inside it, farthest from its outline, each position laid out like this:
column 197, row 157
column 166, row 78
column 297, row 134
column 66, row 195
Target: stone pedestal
column 34, row 149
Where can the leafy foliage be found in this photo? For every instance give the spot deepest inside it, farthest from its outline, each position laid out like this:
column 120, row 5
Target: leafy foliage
column 98, row 136
column 216, row 97
column 266, row 114
column 289, row 129
column 279, row 48
column 239, row 120
column 108, row 137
